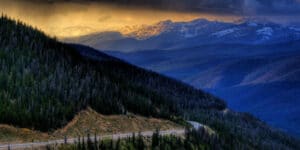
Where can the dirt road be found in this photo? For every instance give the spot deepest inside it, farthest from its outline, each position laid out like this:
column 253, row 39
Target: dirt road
column 15, row 146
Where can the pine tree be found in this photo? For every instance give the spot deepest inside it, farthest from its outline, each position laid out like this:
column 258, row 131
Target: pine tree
column 95, row 142
column 155, row 139
column 118, row 145
column 140, row 145
column 90, row 145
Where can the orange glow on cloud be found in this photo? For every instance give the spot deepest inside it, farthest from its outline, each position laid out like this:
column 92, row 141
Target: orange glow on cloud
column 76, row 19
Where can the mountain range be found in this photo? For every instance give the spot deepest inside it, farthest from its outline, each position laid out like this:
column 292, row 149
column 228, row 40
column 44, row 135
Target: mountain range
column 168, row 35
column 253, row 65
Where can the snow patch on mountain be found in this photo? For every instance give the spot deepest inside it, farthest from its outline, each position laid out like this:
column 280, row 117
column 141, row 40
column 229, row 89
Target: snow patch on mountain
column 187, row 33
column 295, row 29
column 225, row 32
column 147, row 31
column 266, row 32
column 252, row 24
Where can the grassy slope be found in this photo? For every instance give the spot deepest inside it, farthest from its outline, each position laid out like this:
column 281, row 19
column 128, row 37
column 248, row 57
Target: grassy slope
column 9, row 134
column 90, row 121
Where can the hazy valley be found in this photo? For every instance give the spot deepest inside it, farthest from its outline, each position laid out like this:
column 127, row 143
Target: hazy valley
column 253, row 66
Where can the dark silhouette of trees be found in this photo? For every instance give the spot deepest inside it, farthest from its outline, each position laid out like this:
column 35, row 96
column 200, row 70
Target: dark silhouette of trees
column 193, row 138
column 155, row 139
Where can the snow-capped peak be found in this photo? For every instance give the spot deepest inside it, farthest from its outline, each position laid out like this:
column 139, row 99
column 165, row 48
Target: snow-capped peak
column 252, row 24
column 146, row 31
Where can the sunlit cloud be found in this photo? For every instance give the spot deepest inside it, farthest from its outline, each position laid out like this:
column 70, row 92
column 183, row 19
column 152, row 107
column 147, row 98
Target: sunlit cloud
column 65, row 18
column 75, row 19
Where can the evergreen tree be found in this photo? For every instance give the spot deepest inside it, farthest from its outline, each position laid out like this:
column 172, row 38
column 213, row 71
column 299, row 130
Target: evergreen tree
column 140, row 145
column 118, row 145
column 95, row 142
column 90, row 145
column 155, row 139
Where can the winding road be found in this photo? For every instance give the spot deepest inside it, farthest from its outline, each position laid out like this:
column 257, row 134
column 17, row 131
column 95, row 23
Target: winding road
column 74, row 140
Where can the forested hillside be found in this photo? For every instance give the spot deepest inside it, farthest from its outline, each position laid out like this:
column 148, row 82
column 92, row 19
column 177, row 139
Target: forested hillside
column 45, row 83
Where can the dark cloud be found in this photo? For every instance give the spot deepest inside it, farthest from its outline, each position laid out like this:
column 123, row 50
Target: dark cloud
column 272, row 6
column 244, row 7
column 212, row 6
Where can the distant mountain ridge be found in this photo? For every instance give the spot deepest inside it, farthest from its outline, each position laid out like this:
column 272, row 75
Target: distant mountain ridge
column 170, row 35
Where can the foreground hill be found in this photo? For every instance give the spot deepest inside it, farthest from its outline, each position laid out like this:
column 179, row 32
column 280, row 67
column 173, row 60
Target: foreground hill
column 44, row 84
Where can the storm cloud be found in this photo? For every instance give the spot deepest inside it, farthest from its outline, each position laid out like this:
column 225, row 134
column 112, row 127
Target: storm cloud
column 80, row 17
column 242, row 7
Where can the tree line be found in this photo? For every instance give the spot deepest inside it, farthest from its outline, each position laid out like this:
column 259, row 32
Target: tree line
column 193, row 140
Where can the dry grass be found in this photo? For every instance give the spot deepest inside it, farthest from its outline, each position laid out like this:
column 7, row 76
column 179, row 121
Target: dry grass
column 9, row 133
column 85, row 122
column 91, row 122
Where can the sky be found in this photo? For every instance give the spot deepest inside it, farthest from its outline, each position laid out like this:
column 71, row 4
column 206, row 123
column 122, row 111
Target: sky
column 65, row 18
column 211, row 6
